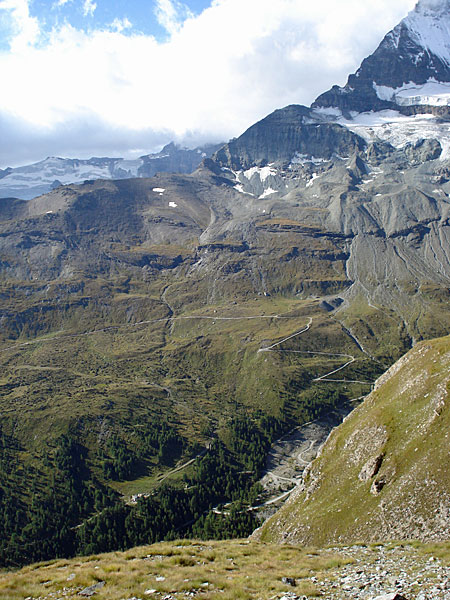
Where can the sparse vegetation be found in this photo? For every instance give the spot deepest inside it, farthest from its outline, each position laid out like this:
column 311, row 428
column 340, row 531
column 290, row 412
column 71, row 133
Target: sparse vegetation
column 209, row 569
column 231, row 569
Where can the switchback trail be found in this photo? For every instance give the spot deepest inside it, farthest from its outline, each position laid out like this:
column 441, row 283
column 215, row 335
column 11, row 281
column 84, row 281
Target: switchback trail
column 270, row 348
column 325, row 377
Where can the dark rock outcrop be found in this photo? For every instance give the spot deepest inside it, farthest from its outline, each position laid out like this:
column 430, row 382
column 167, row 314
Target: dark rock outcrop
column 285, row 133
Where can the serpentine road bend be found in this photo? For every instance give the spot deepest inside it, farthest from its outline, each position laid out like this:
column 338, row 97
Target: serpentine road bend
column 270, row 348
column 324, row 378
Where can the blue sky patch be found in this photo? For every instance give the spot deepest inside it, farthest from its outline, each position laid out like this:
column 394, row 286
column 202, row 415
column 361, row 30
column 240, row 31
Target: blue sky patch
column 82, row 15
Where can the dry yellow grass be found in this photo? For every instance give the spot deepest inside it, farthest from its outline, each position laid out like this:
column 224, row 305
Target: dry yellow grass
column 230, row 570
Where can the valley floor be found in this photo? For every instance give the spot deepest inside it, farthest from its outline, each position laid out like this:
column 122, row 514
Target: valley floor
column 291, row 454
column 239, row 570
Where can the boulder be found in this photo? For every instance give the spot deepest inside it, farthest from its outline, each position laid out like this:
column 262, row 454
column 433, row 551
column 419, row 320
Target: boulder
column 371, row 468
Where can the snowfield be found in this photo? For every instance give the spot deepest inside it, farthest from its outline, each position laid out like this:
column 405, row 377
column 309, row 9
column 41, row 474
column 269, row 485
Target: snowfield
column 399, row 130
column 429, row 27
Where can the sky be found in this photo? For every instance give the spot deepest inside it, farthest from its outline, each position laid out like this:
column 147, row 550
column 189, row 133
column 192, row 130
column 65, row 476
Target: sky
column 84, row 78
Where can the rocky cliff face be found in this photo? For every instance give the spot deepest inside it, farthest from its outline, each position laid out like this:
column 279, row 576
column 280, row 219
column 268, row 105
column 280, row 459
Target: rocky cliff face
column 282, row 135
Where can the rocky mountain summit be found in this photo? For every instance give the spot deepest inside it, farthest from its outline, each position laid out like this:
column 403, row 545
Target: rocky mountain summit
column 408, row 72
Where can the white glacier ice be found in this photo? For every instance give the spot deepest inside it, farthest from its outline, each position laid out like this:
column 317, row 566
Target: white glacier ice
column 432, row 93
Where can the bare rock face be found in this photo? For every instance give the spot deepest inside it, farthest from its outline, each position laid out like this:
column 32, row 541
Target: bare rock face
column 371, row 468
column 282, row 135
column 377, row 486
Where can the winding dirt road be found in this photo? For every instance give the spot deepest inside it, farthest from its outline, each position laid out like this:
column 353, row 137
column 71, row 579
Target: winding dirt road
column 324, row 378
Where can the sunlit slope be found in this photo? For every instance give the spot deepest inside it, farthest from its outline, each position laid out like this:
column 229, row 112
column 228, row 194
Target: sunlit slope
column 383, row 474
column 233, row 570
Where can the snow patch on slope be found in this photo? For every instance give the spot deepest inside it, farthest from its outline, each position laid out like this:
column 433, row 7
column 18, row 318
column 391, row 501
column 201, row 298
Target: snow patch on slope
column 267, row 192
column 240, row 188
column 312, row 180
column 263, row 172
column 259, row 182
column 302, row 159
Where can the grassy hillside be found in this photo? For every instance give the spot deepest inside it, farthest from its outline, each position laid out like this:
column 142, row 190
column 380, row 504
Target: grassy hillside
column 138, row 327
column 383, row 473
column 108, row 386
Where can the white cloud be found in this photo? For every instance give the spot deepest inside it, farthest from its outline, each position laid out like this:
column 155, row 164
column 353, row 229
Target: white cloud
column 167, row 15
column 89, row 8
column 24, row 29
column 171, row 14
column 120, row 25
column 214, row 76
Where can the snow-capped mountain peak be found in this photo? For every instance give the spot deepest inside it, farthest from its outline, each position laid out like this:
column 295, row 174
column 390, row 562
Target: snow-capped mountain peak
column 415, row 53
column 401, row 93
column 437, row 8
column 429, row 27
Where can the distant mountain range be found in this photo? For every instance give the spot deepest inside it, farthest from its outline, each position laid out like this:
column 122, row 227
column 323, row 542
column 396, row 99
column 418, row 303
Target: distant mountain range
column 29, row 181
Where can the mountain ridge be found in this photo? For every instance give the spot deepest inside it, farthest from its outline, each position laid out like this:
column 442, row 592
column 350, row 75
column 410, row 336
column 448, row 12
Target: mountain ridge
column 416, row 50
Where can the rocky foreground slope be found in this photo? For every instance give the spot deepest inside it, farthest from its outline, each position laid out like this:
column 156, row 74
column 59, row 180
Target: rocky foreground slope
column 239, row 569
column 383, row 473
